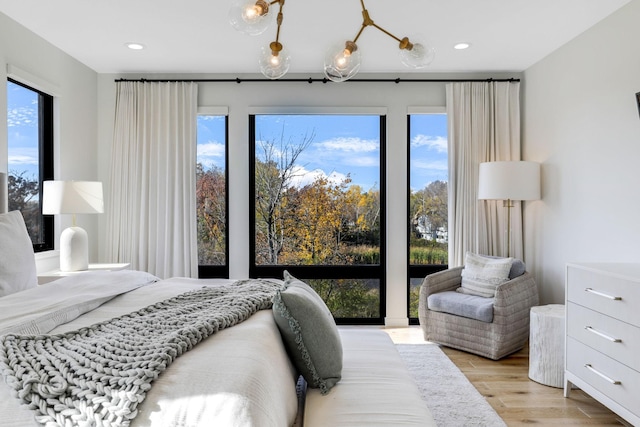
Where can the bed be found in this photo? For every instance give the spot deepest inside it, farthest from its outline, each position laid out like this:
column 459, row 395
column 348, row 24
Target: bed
column 251, row 352
column 240, row 376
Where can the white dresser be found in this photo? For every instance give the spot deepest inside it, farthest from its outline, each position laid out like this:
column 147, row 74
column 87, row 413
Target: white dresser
column 603, row 335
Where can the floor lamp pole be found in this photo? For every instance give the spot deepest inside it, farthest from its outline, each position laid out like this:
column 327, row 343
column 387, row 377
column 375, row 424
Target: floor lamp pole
column 508, row 204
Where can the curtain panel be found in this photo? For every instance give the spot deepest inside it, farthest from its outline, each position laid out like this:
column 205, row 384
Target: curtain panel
column 151, row 206
column 483, row 126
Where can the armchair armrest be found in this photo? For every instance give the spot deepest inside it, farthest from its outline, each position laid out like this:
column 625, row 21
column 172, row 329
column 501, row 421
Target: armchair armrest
column 515, row 295
column 445, row 280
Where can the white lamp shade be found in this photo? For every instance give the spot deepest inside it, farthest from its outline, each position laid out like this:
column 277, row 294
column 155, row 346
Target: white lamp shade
column 72, row 197
column 516, row 180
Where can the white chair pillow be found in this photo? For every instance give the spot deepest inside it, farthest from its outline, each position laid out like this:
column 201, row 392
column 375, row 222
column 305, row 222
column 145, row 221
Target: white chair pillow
column 481, row 275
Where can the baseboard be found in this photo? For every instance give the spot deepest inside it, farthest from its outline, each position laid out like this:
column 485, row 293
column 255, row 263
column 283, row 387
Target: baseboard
column 396, row 322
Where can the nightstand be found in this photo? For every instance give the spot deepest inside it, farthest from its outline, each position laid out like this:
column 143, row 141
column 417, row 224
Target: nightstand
column 52, row 275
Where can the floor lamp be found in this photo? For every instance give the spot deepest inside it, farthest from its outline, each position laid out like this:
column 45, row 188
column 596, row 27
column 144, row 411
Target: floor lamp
column 73, row 197
column 509, row 181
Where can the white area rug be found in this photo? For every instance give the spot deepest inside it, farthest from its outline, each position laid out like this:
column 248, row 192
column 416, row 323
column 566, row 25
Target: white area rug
column 452, row 399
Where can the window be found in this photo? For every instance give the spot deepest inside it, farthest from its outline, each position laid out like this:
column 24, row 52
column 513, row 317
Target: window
column 428, row 201
column 211, row 196
column 317, row 183
column 30, row 150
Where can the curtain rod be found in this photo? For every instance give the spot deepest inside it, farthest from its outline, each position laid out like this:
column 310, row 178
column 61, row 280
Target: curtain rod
column 323, row 80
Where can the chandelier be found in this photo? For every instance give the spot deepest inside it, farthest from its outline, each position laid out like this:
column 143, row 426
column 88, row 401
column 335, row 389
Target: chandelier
column 341, row 62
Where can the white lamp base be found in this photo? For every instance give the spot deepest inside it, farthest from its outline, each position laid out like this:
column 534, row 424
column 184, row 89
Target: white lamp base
column 74, row 249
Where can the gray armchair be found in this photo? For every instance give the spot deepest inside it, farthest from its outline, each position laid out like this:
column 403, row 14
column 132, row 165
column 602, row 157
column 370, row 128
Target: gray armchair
column 509, row 311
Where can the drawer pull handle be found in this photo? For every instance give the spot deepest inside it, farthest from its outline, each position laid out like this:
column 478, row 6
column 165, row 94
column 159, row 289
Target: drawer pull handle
column 602, row 294
column 600, row 374
column 603, row 335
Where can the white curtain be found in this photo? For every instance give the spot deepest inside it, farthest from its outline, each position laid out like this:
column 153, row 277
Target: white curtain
column 484, row 126
column 151, row 206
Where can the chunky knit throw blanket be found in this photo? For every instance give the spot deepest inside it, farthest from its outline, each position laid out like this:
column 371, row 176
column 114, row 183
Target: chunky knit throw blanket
column 98, row 375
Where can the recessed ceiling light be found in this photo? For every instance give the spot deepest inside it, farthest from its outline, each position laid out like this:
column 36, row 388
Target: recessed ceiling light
column 461, row 46
column 134, row 46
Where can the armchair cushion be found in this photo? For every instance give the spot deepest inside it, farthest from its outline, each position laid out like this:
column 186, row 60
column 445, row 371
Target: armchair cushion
column 481, row 275
column 471, row 306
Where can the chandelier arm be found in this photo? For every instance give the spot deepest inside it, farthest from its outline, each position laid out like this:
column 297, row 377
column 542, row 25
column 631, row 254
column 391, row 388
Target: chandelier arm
column 279, row 19
column 386, row 32
column 360, row 32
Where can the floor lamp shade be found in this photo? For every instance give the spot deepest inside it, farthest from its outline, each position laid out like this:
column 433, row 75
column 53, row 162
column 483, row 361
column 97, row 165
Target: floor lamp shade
column 73, row 197
column 509, row 181
column 517, row 180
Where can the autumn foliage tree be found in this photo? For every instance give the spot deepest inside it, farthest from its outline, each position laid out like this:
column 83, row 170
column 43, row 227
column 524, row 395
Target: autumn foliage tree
column 212, row 221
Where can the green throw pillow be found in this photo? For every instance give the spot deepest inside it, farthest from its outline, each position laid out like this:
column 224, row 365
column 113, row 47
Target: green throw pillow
column 309, row 333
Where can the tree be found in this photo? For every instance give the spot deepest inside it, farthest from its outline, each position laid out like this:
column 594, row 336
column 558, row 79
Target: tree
column 316, row 220
column 274, row 174
column 23, row 197
column 212, row 220
column 430, row 208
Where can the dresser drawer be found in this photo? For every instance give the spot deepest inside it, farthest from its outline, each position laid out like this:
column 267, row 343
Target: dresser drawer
column 616, row 339
column 612, row 294
column 625, row 394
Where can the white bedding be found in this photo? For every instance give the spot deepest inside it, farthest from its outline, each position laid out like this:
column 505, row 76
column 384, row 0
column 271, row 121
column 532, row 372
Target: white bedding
column 240, row 376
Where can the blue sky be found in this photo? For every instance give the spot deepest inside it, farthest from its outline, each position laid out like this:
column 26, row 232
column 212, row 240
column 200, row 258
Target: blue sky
column 22, row 122
column 341, row 145
column 428, row 150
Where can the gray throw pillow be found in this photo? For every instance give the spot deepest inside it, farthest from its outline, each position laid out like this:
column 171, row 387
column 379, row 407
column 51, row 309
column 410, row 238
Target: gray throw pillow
column 309, row 333
column 17, row 262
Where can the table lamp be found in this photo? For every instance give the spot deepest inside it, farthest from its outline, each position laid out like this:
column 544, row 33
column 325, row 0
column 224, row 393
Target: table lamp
column 73, row 197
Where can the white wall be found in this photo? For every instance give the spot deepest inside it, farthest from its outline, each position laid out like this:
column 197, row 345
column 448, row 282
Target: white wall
column 75, row 89
column 580, row 120
column 240, row 98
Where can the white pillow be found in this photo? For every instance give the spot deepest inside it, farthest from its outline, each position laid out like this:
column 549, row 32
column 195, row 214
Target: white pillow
column 482, row 275
column 17, row 262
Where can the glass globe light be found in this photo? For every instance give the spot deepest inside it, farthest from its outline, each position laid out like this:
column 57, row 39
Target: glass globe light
column 417, row 55
column 274, row 61
column 250, row 16
column 342, row 61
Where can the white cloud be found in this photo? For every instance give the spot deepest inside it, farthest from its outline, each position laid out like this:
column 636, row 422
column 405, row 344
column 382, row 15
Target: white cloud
column 210, row 154
column 211, row 149
column 23, row 156
column 22, row 160
column 438, row 143
column 302, row 177
column 350, row 145
column 440, row 165
column 22, row 116
column 365, row 161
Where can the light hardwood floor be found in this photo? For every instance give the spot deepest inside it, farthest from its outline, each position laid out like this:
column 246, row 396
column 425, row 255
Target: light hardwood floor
column 517, row 399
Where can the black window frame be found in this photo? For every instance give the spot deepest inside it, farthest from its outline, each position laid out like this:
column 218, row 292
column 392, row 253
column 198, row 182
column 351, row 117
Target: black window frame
column 220, row 271
column 45, row 160
column 414, row 271
column 308, row 272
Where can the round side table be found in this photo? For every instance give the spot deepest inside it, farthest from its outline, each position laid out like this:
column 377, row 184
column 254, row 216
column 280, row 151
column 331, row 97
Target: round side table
column 546, row 345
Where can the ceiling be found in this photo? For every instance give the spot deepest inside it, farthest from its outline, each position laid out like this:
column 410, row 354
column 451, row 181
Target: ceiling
column 194, row 36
